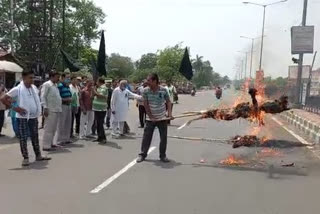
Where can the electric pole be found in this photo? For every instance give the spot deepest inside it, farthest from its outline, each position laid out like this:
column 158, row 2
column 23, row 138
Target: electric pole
column 300, row 65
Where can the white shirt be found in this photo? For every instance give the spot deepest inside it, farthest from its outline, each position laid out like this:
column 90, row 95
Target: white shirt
column 27, row 98
column 171, row 91
column 50, row 97
column 140, row 92
column 120, row 103
column 75, row 90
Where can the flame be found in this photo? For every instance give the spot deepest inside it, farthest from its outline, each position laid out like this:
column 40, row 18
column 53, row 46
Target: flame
column 232, row 160
column 264, row 139
column 255, row 130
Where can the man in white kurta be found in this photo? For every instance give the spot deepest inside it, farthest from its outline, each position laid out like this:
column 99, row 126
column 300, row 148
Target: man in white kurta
column 120, row 107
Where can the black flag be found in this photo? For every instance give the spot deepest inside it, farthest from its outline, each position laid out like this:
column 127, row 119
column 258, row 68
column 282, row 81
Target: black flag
column 95, row 74
column 101, row 63
column 69, row 62
column 186, row 67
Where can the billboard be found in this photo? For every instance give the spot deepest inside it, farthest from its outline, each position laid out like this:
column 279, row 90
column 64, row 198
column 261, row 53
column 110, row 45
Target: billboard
column 302, row 39
column 293, row 72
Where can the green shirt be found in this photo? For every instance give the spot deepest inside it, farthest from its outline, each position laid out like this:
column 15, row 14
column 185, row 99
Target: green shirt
column 99, row 103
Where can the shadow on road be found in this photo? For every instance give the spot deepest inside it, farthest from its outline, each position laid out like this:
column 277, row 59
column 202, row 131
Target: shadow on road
column 60, row 150
column 172, row 164
column 73, row 145
column 270, row 170
column 37, row 165
column 111, row 144
column 282, row 144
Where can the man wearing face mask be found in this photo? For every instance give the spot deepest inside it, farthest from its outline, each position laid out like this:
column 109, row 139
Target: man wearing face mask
column 64, row 120
column 120, row 107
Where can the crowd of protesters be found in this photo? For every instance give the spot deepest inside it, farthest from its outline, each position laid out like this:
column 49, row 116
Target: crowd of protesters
column 76, row 107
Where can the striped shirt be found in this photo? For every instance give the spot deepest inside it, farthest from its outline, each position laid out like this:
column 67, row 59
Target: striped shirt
column 99, row 103
column 64, row 91
column 156, row 101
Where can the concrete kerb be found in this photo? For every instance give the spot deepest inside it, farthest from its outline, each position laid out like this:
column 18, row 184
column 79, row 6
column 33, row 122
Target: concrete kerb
column 308, row 127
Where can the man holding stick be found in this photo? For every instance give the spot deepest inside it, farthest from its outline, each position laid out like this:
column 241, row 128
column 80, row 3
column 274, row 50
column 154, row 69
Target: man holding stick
column 156, row 99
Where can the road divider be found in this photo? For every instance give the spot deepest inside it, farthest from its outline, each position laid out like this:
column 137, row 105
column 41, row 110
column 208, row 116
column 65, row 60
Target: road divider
column 308, row 127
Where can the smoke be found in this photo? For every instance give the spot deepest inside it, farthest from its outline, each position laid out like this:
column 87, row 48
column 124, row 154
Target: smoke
column 277, row 42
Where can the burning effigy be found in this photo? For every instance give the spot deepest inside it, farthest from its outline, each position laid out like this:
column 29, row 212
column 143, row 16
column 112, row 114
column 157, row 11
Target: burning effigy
column 247, row 141
column 245, row 110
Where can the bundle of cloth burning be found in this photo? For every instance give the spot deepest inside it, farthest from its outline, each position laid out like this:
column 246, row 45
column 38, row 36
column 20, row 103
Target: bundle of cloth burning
column 245, row 110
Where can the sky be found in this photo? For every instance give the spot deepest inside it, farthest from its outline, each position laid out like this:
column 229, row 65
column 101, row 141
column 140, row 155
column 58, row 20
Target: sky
column 210, row 28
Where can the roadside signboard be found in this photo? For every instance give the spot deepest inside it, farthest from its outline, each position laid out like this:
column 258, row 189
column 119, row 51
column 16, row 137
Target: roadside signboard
column 302, row 39
column 293, row 72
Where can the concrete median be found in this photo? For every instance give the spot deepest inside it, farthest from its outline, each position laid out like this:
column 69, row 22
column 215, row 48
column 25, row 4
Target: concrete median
column 306, row 122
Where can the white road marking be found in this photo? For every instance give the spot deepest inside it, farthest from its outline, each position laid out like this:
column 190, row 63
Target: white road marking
column 117, row 175
column 303, row 141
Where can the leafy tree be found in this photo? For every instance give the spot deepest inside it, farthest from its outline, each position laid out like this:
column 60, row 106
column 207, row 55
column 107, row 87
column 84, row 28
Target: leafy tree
column 168, row 63
column 275, row 87
column 197, row 63
column 147, row 61
column 141, row 74
column 88, row 54
column 225, row 80
column 119, row 66
column 82, row 20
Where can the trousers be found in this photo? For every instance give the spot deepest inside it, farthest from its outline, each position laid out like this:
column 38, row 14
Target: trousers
column 28, row 127
column 86, row 122
column 108, row 118
column 50, row 128
column 148, row 134
column 142, row 115
column 1, row 120
column 64, row 124
column 100, row 115
column 118, row 125
column 76, row 115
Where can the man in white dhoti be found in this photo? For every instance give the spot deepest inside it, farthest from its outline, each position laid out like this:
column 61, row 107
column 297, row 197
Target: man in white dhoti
column 120, row 107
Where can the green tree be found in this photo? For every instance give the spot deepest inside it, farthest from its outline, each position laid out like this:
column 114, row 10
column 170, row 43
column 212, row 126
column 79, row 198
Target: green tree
column 140, row 75
column 197, row 63
column 119, row 66
column 88, row 54
column 147, row 61
column 204, row 74
column 168, row 63
column 82, row 20
column 225, row 80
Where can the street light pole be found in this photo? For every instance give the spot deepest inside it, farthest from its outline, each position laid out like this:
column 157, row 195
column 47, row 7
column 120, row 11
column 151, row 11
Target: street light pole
column 251, row 58
column 263, row 23
column 262, row 35
column 246, row 63
column 245, row 73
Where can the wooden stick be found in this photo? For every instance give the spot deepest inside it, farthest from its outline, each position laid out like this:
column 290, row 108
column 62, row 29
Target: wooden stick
column 176, row 117
column 199, row 139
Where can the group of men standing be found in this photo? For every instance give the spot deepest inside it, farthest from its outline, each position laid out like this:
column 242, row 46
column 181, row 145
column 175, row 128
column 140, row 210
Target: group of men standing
column 63, row 99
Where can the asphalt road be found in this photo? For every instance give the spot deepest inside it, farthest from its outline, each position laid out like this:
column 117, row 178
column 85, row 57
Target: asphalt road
column 69, row 183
